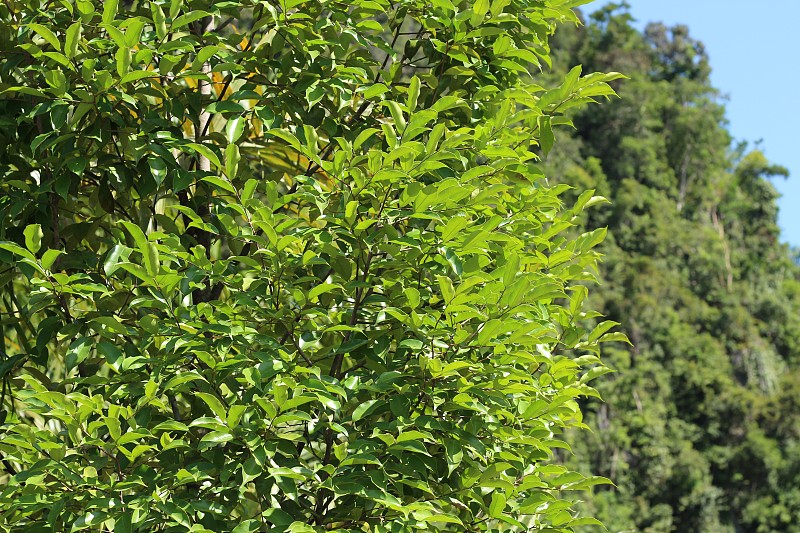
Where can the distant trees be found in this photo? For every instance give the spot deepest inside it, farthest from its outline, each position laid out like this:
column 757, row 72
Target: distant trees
column 289, row 266
column 709, row 296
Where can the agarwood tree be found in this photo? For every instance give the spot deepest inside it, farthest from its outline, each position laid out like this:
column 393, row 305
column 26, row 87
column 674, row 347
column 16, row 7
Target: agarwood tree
column 288, row 266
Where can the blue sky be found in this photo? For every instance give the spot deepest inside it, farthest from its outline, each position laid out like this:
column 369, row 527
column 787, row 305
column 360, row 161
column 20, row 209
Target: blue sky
column 754, row 48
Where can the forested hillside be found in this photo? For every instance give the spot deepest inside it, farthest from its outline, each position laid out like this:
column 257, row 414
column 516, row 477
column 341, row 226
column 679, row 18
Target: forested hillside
column 700, row 429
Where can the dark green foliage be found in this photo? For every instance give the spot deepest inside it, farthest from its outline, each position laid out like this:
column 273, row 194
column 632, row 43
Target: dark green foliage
column 701, row 428
column 289, row 266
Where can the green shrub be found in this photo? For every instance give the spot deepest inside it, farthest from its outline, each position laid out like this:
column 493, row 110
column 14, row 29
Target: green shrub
column 288, row 266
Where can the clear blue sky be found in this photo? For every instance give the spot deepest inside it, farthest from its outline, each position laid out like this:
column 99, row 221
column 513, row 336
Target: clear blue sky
column 755, row 56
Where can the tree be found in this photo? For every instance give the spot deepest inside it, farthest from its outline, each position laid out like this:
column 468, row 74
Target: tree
column 695, row 271
column 289, row 266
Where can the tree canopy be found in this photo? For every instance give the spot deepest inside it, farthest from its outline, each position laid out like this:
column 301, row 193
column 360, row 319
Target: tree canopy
column 290, row 266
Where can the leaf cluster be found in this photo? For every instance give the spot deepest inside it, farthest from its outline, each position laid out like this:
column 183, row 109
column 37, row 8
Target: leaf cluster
column 290, row 266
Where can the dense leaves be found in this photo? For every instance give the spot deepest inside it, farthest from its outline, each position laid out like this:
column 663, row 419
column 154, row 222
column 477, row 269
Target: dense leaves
column 700, row 429
column 289, row 266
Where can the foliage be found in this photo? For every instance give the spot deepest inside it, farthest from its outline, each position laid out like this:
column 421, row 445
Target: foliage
column 700, row 429
column 289, row 266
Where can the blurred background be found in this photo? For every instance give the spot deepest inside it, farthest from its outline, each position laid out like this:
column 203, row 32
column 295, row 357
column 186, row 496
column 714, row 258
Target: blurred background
column 700, row 429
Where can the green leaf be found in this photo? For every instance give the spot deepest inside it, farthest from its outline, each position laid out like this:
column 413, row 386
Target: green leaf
column 511, row 269
column 364, row 408
column 300, row 527
column 350, row 211
column 188, row 18
column 57, row 80
column 453, row 227
column 123, row 524
column 205, row 151
column 143, row 245
column 453, row 260
column 616, row 336
column 413, row 296
column 116, row 35
column 314, row 94
column 33, row 237
column 115, row 256
column 595, row 372
column 498, row 6
column 124, row 58
column 214, row 438
column 570, row 80
column 73, row 39
column 247, row 526
column 171, row 425
column 234, row 128
column 586, row 521
column 89, row 519
column 397, row 115
column 311, row 138
column 546, row 138
column 455, row 454
column 601, row 328
column 203, row 56
column 446, row 286
column 159, row 20
column 413, row 94
column 220, row 183
column 49, row 257
column 152, row 263
column 498, row 504
column 109, row 11
column 374, row 90
column 232, row 158
column 184, row 377
column 288, row 137
column 235, row 414
column 46, row 34
column 158, row 168
column 137, row 75
column 589, row 240
column 139, row 272
column 77, row 165
column 214, row 404
column 362, row 137
column 17, row 249
column 479, row 10
column 277, row 517
column 175, row 7
column 321, row 289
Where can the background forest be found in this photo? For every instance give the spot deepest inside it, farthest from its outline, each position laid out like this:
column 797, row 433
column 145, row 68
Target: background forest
column 701, row 425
